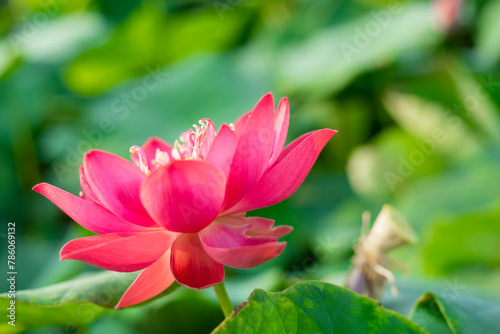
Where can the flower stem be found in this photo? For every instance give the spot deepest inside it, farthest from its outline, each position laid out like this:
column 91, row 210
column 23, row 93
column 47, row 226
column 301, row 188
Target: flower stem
column 224, row 301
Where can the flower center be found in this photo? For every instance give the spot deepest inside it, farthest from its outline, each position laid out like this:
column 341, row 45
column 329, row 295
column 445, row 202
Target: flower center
column 193, row 144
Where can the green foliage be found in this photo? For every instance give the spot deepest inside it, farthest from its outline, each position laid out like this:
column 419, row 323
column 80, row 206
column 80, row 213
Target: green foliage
column 71, row 304
column 346, row 50
column 477, row 234
column 442, row 315
column 179, row 315
column 96, row 70
column 314, row 307
column 68, row 317
column 489, row 27
column 103, row 289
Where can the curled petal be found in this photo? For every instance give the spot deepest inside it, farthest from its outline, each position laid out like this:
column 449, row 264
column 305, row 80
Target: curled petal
column 116, row 184
column 231, row 246
column 259, row 226
column 253, row 151
column 124, row 252
column 184, row 196
column 280, row 129
column 151, row 281
column 192, row 266
column 85, row 212
column 220, row 234
column 287, row 174
column 262, row 226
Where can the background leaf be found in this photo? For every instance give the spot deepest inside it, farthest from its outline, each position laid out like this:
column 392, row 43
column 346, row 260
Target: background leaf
column 477, row 234
column 71, row 304
column 462, row 315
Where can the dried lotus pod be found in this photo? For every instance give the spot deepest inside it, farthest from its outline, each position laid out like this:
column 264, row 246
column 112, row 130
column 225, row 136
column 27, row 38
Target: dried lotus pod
column 390, row 230
column 369, row 274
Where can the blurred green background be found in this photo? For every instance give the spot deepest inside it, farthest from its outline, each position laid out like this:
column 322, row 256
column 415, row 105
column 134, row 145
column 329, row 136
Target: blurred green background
column 413, row 88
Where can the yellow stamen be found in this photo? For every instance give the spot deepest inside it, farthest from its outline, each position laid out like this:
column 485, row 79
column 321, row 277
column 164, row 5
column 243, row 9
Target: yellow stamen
column 142, row 155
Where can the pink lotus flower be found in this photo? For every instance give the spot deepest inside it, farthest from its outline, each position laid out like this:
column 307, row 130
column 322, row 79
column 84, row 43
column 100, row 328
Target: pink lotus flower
column 179, row 212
